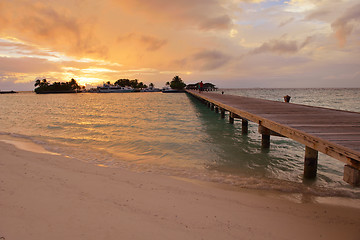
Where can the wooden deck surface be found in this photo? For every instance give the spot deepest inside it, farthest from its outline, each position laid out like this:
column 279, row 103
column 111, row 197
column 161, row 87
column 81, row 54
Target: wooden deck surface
column 333, row 132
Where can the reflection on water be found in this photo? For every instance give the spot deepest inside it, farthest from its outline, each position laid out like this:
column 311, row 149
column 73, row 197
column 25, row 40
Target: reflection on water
column 170, row 133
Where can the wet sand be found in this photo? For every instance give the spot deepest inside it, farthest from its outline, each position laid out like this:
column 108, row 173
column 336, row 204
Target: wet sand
column 47, row 196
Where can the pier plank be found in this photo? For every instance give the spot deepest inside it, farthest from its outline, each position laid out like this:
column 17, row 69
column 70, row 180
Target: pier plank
column 330, row 131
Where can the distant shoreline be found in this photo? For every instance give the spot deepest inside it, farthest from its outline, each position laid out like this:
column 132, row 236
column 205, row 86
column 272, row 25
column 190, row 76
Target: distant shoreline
column 55, row 92
column 7, row 92
column 240, row 88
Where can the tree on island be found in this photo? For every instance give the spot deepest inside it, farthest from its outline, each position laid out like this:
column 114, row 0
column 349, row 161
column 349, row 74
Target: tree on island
column 43, row 86
column 41, row 83
column 130, row 83
column 177, row 83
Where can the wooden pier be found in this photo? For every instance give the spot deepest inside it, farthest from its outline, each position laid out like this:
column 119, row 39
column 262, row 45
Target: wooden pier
column 330, row 131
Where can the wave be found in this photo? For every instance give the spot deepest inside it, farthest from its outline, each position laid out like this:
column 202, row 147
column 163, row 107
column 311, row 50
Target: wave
column 103, row 158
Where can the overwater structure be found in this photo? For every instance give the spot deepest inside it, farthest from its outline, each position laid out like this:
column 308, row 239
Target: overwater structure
column 330, row 131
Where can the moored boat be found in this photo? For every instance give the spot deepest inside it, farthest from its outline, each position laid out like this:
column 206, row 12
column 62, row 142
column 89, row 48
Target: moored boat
column 168, row 89
column 109, row 88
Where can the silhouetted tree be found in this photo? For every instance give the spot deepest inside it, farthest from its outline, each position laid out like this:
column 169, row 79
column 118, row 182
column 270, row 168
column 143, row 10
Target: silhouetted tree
column 130, row 83
column 45, row 87
column 177, row 83
column 37, row 82
column 41, row 83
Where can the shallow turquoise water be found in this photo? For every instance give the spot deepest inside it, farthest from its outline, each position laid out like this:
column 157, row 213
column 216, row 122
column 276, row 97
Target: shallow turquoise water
column 175, row 134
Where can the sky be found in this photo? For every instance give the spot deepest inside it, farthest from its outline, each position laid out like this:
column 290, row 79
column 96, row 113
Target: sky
column 231, row 43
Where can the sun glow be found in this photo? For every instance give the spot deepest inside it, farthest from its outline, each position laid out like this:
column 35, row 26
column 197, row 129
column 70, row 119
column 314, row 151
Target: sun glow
column 86, row 81
column 97, row 70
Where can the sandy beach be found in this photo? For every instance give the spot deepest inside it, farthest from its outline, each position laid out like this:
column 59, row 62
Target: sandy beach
column 45, row 196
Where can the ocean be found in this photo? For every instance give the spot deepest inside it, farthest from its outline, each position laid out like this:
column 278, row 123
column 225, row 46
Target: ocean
column 176, row 135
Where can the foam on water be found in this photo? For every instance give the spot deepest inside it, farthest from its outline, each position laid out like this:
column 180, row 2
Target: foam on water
column 24, row 144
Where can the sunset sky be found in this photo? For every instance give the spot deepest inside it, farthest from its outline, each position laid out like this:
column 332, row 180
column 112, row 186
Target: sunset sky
column 231, row 43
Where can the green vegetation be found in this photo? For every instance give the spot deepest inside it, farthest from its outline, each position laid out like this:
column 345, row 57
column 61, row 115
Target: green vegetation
column 130, row 83
column 177, row 83
column 43, row 86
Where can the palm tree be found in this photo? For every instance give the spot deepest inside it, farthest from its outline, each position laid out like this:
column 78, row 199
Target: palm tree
column 73, row 84
column 177, row 83
column 44, row 83
column 41, row 83
column 177, row 79
column 37, row 82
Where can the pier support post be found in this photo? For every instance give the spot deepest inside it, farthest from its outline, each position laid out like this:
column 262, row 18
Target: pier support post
column 265, row 141
column 265, row 137
column 208, row 104
column 212, row 106
column 231, row 118
column 244, row 126
column 216, row 109
column 352, row 175
column 311, row 161
column 222, row 113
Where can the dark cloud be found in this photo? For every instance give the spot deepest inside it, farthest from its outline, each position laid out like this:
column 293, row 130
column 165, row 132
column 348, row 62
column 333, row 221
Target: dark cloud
column 318, row 14
column 210, row 59
column 218, row 23
column 286, row 22
column 204, row 60
column 344, row 25
column 282, row 46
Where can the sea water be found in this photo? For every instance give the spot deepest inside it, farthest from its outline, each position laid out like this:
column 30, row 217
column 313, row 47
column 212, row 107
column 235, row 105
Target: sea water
column 176, row 135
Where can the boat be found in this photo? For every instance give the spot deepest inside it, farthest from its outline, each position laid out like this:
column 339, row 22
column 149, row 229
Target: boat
column 168, row 89
column 109, row 88
column 151, row 89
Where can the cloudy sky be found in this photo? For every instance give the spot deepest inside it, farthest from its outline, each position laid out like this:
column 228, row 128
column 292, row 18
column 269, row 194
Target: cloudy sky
column 232, row 43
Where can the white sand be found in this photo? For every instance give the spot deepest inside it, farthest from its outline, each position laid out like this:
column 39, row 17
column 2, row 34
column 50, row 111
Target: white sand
column 49, row 197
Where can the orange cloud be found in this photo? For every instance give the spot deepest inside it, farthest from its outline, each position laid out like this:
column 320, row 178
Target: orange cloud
column 50, row 26
column 150, row 43
column 203, row 14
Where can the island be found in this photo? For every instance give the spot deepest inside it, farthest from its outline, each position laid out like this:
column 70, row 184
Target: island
column 44, row 87
column 176, row 85
column 7, row 92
